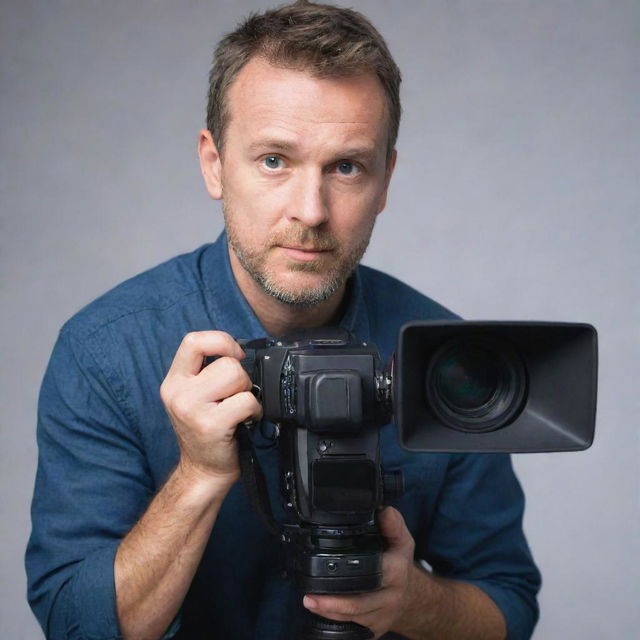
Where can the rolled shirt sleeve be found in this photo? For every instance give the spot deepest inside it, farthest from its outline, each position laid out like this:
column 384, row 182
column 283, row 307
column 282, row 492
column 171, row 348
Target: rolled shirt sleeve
column 91, row 486
column 476, row 536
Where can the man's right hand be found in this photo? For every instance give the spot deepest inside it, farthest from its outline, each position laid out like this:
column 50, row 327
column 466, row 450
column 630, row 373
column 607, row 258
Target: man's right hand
column 156, row 561
column 206, row 404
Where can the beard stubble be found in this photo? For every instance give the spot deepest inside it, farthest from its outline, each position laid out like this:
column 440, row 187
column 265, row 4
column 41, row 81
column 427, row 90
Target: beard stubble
column 334, row 269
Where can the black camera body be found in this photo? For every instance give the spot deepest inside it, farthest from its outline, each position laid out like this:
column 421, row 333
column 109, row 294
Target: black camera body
column 329, row 395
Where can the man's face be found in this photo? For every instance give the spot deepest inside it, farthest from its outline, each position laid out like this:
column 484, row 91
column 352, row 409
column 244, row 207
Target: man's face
column 303, row 177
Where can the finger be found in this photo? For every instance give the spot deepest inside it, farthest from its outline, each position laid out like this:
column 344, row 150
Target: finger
column 347, row 607
column 198, row 403
column 394, row 530
column 239, row 408
column 368, row 620
column 225, row 416
column 221, row 379
column 198, row 344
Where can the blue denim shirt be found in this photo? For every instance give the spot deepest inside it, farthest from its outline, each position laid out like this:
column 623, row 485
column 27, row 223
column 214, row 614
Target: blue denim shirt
column 106, row 446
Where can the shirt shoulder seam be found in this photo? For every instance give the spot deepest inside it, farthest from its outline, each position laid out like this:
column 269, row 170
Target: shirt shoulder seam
column 83, row 332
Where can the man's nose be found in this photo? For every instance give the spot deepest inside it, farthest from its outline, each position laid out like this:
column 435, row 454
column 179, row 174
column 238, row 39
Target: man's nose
column 308, row 203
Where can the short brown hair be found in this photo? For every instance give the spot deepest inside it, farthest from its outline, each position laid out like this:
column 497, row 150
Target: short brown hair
column 322, row 39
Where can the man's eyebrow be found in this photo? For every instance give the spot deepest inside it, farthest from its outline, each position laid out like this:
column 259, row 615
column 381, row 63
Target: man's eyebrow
column 359, row 153
column 269, row 144
column 363, row 153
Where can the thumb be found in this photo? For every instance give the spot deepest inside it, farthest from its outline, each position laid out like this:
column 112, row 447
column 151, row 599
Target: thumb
column 393, row 529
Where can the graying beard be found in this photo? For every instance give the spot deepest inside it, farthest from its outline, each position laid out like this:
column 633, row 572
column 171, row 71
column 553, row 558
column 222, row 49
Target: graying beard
column 304, row 300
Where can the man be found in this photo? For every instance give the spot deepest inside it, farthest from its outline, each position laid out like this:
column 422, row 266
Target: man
column 141, row 529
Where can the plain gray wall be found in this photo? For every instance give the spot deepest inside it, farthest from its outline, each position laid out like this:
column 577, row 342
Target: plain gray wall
column 515, row 197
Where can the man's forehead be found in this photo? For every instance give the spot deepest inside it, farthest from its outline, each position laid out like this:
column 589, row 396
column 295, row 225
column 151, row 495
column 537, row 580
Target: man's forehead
column 264, row 93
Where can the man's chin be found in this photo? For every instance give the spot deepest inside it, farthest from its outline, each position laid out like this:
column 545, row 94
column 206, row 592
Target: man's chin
column 302, row 288
column 315, row 267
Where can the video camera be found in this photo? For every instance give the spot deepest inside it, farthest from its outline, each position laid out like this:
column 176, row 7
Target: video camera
column 453, row 386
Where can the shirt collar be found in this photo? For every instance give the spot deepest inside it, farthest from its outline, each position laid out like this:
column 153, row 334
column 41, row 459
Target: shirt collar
column 230, row 311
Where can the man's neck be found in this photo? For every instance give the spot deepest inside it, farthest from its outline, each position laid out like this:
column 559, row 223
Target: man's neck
column 279, row 318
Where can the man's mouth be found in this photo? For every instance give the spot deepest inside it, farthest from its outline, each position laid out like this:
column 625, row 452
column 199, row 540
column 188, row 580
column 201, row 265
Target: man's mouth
column 304, row 254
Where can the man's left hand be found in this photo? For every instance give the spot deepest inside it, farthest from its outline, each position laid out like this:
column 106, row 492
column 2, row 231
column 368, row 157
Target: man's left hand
column 380, row 609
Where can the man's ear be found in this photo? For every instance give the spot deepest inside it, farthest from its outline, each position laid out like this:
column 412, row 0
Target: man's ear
column 391, row 165
column 210, row 164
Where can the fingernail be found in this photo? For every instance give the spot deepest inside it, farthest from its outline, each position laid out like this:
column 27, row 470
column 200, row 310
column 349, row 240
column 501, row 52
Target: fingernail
column 309, row 603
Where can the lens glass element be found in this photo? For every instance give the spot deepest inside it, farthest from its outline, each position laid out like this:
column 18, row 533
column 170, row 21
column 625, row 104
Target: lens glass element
column 467, row 381
column 476, row 383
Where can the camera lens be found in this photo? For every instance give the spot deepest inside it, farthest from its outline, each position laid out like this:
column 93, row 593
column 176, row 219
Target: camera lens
column 467, row 381
column 475, row 384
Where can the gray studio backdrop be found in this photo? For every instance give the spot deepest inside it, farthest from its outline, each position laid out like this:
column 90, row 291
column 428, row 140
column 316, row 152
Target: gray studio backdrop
column 515, row 196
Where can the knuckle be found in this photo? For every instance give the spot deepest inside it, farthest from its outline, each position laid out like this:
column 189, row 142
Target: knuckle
column 191, row 339
column 252, row 403
column 229, row 363
column 181, row 407
column 165, row 392
column 221, row 339
column 215, row 342
column 342, row 607
column 245, row 402
column 232, row 368
column 350, row 609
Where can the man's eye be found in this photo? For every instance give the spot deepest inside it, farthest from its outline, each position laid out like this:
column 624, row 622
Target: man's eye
column 273, row 162
column 346, row 168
